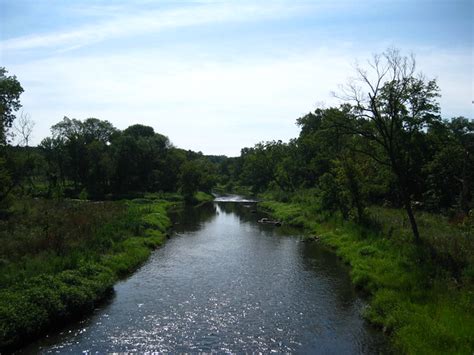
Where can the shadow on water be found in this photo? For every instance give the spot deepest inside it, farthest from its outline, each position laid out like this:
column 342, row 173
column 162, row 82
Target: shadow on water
column 191, row 219
column 330, row 271
column 226, row 283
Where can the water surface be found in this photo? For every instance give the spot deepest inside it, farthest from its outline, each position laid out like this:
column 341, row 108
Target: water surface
column 225, row 283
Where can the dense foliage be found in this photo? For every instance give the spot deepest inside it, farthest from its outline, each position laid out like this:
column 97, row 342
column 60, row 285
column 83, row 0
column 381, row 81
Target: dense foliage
column 91, row 159
column 10, row 91
column 59, row 258
column 346, row 179
column 389, row 147
column 94, row 158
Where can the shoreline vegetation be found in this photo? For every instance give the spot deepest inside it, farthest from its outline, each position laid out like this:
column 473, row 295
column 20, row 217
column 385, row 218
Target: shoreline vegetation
column 422, row 296
column 61, row 258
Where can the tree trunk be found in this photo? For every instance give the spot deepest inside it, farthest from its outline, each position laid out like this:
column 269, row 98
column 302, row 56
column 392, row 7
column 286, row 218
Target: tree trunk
column 402, row 183
column 464, row 198
column 411, row 216
column 354, row 190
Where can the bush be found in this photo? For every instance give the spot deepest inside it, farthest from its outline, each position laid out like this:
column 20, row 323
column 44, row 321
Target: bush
column 49, row 277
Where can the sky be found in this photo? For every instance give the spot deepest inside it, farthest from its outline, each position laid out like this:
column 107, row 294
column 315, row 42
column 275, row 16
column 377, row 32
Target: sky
column 217, row 76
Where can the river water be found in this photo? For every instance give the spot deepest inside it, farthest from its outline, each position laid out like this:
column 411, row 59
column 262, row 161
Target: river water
column 225, row 283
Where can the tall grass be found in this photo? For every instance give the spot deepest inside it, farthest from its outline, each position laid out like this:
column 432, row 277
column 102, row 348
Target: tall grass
column 422, row 295
column 59, row 258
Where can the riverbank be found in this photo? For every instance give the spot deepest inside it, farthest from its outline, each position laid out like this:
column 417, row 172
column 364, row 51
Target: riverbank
column 225, row 283
column 422, row 296
column 58, row 259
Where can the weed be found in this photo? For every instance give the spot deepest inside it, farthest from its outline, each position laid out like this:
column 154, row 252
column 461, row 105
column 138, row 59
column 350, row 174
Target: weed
column 422, row 295
column 59, row 258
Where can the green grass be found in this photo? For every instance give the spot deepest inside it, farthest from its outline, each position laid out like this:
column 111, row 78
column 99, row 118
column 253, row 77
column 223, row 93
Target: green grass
column 203, row 197
column 422, row 296
column 58, row 259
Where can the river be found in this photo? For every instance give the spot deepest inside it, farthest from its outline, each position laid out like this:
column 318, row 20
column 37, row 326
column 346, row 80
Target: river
column 225, row 283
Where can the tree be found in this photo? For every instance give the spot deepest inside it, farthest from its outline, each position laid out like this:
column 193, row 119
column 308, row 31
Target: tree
column 10, row 91
column 392, row 106
column 260, row 165
column 23, row 128
column 101, row 131
column 24, row 162
column 57, row 159
column 332, row 162
column 450, row 171
column 69, row 133
column 462, row 131
column 190, row 178
column 141, row 159
column 197, row 174
column 80, row 151
column 139, row 130
column 86, row 145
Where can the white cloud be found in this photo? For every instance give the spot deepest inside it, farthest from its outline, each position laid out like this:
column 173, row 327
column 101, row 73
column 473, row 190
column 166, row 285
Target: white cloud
column 125, row 24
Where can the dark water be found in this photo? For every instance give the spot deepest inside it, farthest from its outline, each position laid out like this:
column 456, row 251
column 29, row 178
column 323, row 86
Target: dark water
column 225, row 283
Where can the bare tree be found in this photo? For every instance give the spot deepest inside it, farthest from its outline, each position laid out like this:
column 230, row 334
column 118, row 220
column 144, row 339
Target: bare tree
column 391, row 104
column 23, row 128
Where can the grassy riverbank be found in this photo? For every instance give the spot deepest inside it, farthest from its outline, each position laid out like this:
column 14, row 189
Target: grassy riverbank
column 59, row 258
column 422, row 296
column 203, row 197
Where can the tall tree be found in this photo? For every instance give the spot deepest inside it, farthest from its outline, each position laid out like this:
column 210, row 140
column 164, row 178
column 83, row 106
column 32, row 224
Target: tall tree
column 141, row 158
column 23, row 129
column 80, row 151
column 392, row 106
column 10, row 91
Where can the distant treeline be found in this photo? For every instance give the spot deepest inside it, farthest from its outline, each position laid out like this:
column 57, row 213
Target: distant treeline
column 94, row 160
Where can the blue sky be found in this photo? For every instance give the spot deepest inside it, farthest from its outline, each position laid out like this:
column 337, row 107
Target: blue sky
column 216, row 76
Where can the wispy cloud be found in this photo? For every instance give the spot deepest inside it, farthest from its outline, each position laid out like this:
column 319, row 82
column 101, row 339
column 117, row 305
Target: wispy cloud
column 123, row 24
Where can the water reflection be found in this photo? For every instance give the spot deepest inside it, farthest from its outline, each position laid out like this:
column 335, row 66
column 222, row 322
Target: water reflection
column 190, row 219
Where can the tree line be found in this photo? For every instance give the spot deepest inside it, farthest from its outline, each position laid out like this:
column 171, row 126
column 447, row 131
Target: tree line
column 93, row 159
column 99, row 159
column 385, row 144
